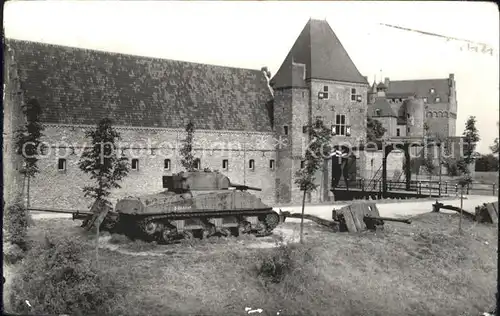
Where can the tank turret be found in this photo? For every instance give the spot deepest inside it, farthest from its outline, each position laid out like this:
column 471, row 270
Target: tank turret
column 201, row 181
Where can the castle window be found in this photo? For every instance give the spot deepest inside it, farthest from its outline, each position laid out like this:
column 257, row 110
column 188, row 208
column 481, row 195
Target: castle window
column 353, row 94
column 324, row 94
column 398, row 132
column 197, row 163
column 408, row 130
column 271, row 164
column 432, row 90
column 438, row 99
column 303, row 94
column 166, row 164
column 61, row 165
column 377, row 112
column 285, row 130
column 135, row 164
column 407, row 115
column 302, row 164
column 340, row 127
column 304, row 129
column 225, row 164
column 251, row 164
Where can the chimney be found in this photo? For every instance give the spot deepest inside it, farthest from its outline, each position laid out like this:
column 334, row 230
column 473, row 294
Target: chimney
column 451, row 80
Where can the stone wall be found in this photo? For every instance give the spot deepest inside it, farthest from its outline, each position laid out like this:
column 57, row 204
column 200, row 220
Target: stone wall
column 63, row 188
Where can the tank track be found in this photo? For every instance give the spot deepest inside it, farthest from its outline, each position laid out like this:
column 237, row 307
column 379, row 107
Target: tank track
column 158, row 227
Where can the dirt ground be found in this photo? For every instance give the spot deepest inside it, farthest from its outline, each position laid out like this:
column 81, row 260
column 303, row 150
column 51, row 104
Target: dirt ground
column 425, row 268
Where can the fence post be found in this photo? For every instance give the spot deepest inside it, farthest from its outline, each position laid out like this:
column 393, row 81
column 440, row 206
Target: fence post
column 446, row 187
column 439, row 189
column 494, row 184
column 456, row 189
column 419, row 188
column 467, row 188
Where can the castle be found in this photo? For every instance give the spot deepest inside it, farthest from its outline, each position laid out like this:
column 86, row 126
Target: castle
column 248, row 125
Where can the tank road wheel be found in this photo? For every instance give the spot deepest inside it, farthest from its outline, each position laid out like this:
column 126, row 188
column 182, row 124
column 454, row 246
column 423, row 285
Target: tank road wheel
column 187, row 234
column 150, row 228
column 244, row 228
column 168, row 234
column 272, row 220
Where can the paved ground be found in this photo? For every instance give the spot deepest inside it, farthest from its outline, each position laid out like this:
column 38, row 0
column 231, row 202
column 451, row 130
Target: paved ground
column 400, row 209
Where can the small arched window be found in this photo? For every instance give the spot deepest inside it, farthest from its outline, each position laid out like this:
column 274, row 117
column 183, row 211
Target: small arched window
column 166, row 164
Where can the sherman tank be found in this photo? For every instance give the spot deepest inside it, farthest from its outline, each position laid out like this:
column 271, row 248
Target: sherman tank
column 197, row 204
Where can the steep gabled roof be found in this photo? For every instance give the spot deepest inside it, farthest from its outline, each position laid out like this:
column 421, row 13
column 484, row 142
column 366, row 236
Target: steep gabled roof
column 421, row 88
column 384, row 107
column 81, row 86
column 324, row 56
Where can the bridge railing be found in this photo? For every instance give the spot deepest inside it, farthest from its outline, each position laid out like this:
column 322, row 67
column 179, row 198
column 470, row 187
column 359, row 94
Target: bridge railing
column 431, row 187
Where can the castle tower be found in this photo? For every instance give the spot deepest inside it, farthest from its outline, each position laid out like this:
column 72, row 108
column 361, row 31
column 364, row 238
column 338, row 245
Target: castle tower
column 317, row 80
column 372, row 93
column 414, row 111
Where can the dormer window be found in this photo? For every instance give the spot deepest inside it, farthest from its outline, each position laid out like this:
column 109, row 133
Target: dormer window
column 438, row 99
column 425, row 100
column 285, row 130
column 377, row 112
column 432, row 90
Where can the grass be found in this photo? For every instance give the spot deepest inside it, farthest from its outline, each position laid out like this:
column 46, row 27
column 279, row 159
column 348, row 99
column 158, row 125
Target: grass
column 425, row 268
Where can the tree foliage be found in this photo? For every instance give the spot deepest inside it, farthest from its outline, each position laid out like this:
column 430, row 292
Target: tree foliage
column 28, row 138
column 188, row 160
column 319, row 148
column 102, row 161
column 487, row 163
column 374, row 130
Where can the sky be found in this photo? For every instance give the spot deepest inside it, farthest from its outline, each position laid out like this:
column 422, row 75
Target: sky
column 256, row 34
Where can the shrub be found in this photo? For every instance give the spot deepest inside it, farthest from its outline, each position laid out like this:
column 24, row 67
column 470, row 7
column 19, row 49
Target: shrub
column 16, row 225
column 282, row 261
column 58, row 278
column 12, row 253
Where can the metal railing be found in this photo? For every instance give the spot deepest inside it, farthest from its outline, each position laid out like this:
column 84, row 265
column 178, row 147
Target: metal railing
column 422, row 187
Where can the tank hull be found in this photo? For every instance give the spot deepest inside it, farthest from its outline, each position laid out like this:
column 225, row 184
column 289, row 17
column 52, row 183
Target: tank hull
column 168, row 217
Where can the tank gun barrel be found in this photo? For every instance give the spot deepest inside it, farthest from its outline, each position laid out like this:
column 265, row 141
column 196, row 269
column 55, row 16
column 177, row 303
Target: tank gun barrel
column 76, row 214
column 243, row 187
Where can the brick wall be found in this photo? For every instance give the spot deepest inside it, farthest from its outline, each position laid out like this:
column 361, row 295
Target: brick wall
column 63, row 189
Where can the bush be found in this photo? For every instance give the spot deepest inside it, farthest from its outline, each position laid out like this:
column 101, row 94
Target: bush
column 12, row 253
column 58, row 278
column 16, row 225
column 282, row 261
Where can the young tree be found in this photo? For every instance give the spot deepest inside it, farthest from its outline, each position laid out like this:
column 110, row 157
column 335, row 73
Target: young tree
column 471, row 137
column 102, row 161
column 319, row 148
column 374, row 130
column 27, row 142
column 494, row 147
column 188, row 160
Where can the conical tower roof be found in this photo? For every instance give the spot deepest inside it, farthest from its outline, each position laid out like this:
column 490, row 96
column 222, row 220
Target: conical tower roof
column 320, row 50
